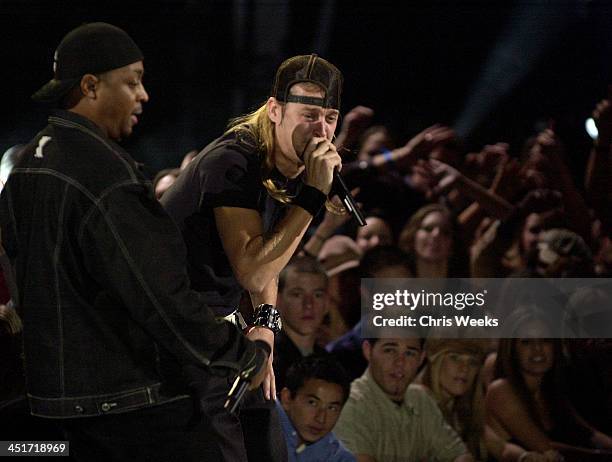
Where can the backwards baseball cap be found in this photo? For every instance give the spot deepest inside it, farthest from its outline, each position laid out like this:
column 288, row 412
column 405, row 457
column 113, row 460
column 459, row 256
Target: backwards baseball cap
column 89, row 49
column 308, row 68
column 559, row 242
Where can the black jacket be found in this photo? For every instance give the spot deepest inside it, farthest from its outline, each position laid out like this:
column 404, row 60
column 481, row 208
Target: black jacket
column 110, row 322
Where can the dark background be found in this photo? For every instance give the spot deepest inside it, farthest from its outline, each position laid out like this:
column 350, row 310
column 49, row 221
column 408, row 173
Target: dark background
column 496, row 71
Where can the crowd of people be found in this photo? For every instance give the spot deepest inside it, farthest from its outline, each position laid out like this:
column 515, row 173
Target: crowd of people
column 258, row 228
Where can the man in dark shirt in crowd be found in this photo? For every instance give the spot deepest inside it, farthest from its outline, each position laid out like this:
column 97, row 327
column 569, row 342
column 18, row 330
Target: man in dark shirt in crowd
column 302, row 303
column 107, row 335
column 244, row 203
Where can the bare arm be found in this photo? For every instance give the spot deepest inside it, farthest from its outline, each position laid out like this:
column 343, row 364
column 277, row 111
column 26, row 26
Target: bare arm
column 267, row 295
column 257, row 261
column 449, row 177
column 504, row 407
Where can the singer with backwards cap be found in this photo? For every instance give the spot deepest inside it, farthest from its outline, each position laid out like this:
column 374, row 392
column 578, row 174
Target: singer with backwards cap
column 111, row 327
column 243, row 205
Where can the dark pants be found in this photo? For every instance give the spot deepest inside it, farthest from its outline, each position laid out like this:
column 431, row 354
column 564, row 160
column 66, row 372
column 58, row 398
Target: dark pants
column 253, row 435
column 169, row 432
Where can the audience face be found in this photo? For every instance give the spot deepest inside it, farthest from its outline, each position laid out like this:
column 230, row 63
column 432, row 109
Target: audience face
column 535, row 356
column 531, row 232
column 457, row 373
column 394, row 363
column 315, row 408
column 303, row 302
column 433, row 241
column 376, row 232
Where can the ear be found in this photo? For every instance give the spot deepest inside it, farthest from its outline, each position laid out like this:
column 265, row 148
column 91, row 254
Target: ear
column 366, row 348
column 89, row 85
column 285, row 396
column 275, row 110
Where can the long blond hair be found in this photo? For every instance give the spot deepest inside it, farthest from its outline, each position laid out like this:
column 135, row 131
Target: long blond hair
column 466, row 413
column 258, row 126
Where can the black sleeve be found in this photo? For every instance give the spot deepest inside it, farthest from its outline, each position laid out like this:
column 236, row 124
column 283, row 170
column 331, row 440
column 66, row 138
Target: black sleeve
column 134, row 249
column 229, row 178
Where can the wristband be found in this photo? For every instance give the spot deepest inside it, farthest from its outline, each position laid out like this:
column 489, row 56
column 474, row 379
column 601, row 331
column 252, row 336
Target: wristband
column 310, row 199
column 266, row 315
column 388, row 156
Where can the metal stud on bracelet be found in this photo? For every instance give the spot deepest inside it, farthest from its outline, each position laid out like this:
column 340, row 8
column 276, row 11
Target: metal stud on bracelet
column 266, row 315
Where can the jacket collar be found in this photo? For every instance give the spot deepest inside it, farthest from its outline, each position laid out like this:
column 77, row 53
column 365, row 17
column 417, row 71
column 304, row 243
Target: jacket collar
column 62, row 117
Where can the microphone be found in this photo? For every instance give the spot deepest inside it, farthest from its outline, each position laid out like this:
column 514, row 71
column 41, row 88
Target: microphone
column 340, row 189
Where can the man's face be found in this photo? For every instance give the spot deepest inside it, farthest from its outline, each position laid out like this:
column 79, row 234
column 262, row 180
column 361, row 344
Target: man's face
column 394, row 363
column 303, row 302
column 315, row 408
column 296, row 123
column 533, row 227
column 119, row 97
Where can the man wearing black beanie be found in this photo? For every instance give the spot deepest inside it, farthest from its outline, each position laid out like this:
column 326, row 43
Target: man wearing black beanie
column 110, row 341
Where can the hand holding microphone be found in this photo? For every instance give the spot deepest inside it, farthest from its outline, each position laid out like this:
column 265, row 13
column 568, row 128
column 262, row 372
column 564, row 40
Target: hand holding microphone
column 323, row 164
column 320, row 161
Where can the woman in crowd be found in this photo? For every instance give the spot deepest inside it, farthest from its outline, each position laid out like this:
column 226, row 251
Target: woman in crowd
column 431, row 239
column 526, row 404
column 453, row 377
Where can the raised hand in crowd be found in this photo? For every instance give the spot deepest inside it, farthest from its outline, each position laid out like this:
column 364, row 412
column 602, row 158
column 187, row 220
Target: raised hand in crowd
column 507, row 181
column 418, row 147
column 540, row 200
column 354, row 123
column 422, row 144
column 483, row 166
column 446, row 177
column 546, row 165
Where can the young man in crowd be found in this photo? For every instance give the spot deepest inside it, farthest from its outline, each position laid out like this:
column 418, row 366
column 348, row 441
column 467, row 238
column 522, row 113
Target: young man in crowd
column 377, row 263
column 316, row 389
column 386, row 419
column 302, row 303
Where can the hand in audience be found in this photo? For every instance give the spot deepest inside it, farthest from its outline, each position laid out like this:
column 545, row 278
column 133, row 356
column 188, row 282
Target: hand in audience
column 353, row 124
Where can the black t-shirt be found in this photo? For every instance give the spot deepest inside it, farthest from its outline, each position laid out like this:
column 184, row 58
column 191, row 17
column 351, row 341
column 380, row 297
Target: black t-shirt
column 227, row 173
